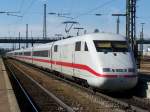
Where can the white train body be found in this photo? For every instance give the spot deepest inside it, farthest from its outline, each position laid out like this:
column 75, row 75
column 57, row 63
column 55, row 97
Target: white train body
column 103, row 60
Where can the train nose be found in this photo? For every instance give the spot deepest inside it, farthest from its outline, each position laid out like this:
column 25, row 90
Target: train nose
column 126, row 83
column 116, row 84
column 120, row 83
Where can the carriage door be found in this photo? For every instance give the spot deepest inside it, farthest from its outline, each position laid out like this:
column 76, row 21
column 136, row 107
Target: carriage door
column 77, row 58
column 32, row 54
column 56, row 58
column 51, row 56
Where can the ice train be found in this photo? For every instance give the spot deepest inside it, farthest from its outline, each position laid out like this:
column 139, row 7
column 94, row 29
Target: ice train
column 102, row 60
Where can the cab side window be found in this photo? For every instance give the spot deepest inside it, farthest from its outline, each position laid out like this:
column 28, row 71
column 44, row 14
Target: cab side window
column 85, row 47
column 78, row 46
column 55, row 48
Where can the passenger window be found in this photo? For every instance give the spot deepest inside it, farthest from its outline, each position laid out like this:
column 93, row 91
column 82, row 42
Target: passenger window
column 85, row 47
column 41, row 53
column 55, row 48
column 27, row 53
column 78, row 46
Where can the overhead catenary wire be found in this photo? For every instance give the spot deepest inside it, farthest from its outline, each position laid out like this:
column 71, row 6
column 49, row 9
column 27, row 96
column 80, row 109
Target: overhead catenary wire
column 21, row 5
column 25, row 12
column 29, row 7
column 92, row 10
column 96, row 8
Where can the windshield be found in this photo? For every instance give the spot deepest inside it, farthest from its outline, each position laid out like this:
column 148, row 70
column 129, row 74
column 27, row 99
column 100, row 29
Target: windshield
column 111, row 46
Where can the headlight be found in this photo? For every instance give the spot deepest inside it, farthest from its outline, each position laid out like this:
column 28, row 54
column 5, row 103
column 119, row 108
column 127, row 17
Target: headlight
column 106, row 70
column 131, row 70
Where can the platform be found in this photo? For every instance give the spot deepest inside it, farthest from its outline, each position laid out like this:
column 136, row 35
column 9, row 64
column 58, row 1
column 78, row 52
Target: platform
column 144, row 71
column 8, row 102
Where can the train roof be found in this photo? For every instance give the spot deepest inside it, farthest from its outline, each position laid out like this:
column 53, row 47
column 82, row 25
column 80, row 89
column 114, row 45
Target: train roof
column 106, row 36
column 87, row 37
column 15, row 51
column 93, row 36
column 44, row 45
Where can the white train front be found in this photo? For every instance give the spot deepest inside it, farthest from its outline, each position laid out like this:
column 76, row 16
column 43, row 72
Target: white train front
column 102, row 60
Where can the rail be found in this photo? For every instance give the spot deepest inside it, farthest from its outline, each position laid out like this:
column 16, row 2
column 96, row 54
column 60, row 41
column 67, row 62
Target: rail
column 23, row 90
column 122, row 105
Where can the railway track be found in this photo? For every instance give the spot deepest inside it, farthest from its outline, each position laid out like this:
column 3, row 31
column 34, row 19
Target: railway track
column 145, row 69
column 78, row 98
column 24, row 100
column 139, row 102
column 40, row 99
column 145, row 63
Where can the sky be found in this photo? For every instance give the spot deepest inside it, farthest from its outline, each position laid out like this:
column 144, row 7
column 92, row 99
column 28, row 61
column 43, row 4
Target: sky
column 83, row 11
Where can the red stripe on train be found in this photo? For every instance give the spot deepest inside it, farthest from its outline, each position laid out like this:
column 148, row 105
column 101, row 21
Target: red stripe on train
column 78, row 66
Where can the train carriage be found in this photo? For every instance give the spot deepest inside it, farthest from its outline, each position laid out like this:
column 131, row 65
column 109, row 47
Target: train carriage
column 27, row 55
column 41, row 55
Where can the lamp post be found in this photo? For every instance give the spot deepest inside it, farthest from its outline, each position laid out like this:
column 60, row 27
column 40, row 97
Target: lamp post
column 118, row 21
column 142, row 38
column 78, row 30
